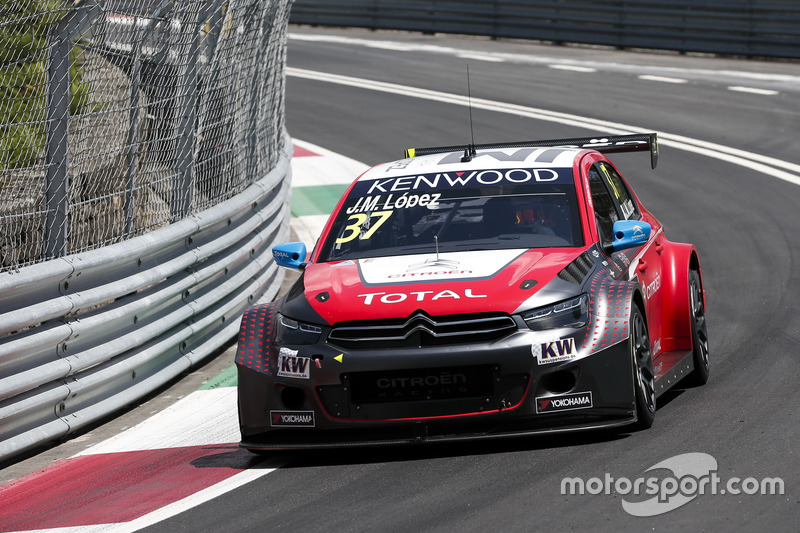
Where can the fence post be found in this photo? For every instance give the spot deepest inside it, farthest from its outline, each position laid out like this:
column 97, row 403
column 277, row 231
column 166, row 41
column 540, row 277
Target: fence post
column 183, row 184
column 56, row 186
column 132, row 159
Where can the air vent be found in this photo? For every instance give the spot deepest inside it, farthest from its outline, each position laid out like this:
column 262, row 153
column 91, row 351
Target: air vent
column 577, row 271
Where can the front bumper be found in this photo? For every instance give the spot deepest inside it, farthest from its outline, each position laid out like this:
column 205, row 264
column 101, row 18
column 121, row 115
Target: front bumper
column 446, row 393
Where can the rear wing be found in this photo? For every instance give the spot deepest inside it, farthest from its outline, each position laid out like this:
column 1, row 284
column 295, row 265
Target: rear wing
column 639, row 142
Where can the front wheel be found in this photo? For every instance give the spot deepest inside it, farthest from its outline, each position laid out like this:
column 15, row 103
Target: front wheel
column 644, row 383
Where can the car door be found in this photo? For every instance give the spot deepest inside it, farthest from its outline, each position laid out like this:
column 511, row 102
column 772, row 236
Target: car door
column 613, row 201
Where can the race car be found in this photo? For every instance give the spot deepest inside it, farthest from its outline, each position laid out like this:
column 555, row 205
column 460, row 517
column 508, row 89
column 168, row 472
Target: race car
column 472, row 292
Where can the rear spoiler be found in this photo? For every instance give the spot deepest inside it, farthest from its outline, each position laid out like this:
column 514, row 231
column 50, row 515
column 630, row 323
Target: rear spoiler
column 639, row 142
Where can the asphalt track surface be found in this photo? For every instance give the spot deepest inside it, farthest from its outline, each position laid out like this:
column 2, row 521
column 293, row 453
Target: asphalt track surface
column 743, row 220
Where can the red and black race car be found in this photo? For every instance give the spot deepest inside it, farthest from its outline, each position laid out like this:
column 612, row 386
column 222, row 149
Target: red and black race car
column 464, row 293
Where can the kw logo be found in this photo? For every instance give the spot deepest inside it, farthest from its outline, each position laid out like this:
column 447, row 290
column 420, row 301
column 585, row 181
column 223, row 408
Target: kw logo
column 293, row 367
column 554, row 351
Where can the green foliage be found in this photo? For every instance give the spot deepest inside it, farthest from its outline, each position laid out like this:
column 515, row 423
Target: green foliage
column 24, row 25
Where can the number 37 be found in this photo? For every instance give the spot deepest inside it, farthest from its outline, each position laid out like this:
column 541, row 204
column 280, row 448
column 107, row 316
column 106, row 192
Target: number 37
column 354, row 230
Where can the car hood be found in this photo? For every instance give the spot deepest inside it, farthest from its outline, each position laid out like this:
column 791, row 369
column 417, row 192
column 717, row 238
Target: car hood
column 443, row 284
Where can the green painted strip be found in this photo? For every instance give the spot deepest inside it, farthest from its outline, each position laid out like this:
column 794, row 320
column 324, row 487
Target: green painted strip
column 317, row 200
column 226, row 378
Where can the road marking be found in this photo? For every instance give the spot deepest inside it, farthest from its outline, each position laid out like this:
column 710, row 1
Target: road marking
column 237, row 480
column 202, row 418
column 308, row 228
column 226, row 378
column 314, row 165
column 770, row 166
column 663, row 79
column 316, row 200
column 319, row 178
column 573, row 68
column 538, row 59
column 752, row 90
column 389, row 45
column 481, row 57
column 129, row 489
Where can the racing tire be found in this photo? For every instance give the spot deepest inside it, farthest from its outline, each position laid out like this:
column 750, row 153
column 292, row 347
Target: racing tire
column 644, row 383
column 699, row 375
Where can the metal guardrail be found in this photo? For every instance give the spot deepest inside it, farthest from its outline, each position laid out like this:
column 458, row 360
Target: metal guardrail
column 754, row 28
column 117, row 323
column 144, row 170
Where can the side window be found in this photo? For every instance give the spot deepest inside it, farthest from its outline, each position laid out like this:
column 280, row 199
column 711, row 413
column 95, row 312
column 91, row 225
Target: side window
column 604, row 208
column 623, row 197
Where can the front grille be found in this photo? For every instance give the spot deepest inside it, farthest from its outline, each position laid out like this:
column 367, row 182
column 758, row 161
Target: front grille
column 420, row 329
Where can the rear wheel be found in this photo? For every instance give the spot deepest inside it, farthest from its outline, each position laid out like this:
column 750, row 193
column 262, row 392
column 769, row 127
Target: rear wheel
column 644, row 384
column 699, row 375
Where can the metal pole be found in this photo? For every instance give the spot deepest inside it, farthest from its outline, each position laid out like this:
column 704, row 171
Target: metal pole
column 183, row 183
column 133, row 132
column 56, row 186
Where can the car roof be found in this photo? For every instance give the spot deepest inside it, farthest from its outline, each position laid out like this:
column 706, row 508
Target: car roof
column 483, row 159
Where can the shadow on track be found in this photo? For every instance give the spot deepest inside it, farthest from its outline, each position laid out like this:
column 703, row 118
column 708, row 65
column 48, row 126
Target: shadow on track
column 237, row 458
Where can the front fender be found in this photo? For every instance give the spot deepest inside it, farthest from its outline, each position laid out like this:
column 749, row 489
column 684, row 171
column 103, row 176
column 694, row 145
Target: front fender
column 256, row 332
column 612, row 301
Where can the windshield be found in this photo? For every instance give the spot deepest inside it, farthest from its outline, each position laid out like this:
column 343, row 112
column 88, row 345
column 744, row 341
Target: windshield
column 456, row 217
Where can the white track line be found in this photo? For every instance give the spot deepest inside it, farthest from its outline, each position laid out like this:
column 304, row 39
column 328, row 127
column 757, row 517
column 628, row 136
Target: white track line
column 766, row 165
column 662, row 79
column 753, row 90
column 198, row 498
column 572, row 68
column 538, row 59
column 481, row 57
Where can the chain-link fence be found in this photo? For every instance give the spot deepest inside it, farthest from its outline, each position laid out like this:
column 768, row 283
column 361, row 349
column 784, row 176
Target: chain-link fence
column 121, row 116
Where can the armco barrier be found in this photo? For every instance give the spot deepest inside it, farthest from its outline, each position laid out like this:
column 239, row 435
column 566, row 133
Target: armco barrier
column 738, row 27
column 84, row 335
column 144, row 172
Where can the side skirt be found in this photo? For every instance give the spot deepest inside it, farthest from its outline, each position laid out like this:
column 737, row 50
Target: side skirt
column 670, row 368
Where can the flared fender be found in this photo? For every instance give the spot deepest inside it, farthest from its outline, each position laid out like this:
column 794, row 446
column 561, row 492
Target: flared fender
column 255, row 334
column 676, row 261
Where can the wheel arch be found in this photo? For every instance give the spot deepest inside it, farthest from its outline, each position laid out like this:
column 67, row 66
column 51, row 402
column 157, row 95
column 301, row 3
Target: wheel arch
column 638, row 299
column 256, row 332
column 677, row 260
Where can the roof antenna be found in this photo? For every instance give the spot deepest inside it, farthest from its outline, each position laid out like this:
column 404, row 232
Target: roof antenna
column 436, row 240
column 469, row 151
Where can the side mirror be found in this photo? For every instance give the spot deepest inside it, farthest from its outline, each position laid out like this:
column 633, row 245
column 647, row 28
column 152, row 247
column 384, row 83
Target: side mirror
column 290, row 255
column 629, row 234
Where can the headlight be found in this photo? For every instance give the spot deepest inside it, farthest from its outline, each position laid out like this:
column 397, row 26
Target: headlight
column 293, row 332
column 568, row 314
